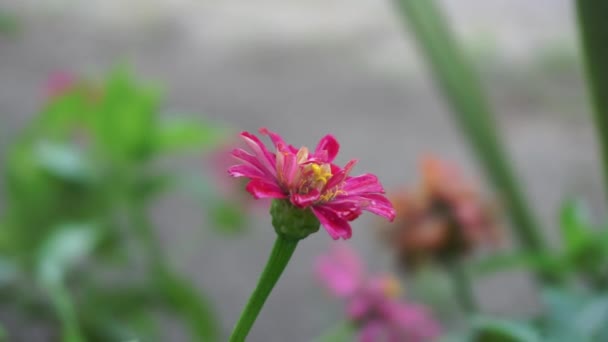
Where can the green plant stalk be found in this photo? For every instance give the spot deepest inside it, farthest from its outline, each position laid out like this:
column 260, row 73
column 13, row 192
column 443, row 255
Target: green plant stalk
column 462, row 287
column 194, row 307
column 594, row 41
column 279, row 257
column 471, row 111
column 65, row 309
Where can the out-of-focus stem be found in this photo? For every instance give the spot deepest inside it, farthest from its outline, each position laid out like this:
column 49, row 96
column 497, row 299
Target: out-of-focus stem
column 193, row 306
column 471, row 111
column 462, row 287
column 593, row 22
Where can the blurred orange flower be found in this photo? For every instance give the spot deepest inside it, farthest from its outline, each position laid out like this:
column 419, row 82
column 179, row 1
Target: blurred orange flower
column 444, row 217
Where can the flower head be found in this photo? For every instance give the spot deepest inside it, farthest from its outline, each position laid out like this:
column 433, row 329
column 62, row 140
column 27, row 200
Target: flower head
column 443, row 218
column 372, row 302
column 309, row 180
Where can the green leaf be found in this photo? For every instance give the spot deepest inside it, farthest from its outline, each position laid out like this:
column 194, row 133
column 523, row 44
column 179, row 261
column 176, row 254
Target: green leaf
column 575, row 224
column 544, row 262
column 8, row 23
column 125, row 121
column 149, row 186
column 69, row 245
column 181, row 134
column 502, row 330
column 228, row 217
column 573, row 316
column 592, row 317
column 560, row 309
column 64, row 162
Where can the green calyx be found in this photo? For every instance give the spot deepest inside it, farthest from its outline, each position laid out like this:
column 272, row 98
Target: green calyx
column 292, row 223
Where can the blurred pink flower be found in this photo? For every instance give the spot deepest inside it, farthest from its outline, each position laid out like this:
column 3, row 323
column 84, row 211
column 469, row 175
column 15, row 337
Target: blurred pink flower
column 58, row 83
column 372, row 302
column 311, row 181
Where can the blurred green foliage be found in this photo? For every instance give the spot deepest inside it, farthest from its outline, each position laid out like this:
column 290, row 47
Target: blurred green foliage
column 9, row 24
column 583, row 256
column 567, row 316
column 77, row 249
column 593, row 34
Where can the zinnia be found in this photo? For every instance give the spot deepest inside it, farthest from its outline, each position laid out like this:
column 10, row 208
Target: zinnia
column 311, row 181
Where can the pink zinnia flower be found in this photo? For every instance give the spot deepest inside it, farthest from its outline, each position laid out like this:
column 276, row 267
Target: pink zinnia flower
column 310, row 180
column 372, row 301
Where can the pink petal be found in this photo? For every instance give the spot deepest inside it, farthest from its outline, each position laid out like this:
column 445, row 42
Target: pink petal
column 340, row 270
column 360, row 306
column 348, row 210
column 262, row 189
column 365, row 183
column 371, row 331
column 305, row 200
column 336, row 226
column 340, row 175
column 289, row 169
column 263, row 155
column 277, row 140
column 378, row 204
column 374, row 203
column 413, row 320
column 252, row 160
column 327, row 149
column 245, row 171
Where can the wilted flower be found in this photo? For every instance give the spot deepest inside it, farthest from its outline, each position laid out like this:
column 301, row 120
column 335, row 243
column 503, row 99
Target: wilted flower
column 372, row 301
column 309, row 181
column 444, row 217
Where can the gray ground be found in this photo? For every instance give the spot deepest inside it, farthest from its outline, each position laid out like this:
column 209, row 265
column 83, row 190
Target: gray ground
column 305, row 69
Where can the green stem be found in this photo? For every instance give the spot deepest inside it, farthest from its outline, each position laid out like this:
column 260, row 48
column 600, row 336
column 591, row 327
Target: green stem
column 462, row 287
column 151, row 245
column 65, row 309
column 594, row 40
column 279, row 257
column 471, row 111
column 193, row 306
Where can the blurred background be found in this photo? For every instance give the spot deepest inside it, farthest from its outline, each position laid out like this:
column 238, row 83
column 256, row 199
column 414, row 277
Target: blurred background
column 304, row 69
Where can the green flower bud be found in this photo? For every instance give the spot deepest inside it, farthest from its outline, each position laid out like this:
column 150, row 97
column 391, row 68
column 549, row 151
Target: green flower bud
column 291, row 222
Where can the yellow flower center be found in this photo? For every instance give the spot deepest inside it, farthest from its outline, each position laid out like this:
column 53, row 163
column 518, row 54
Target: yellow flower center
column 321, row 173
